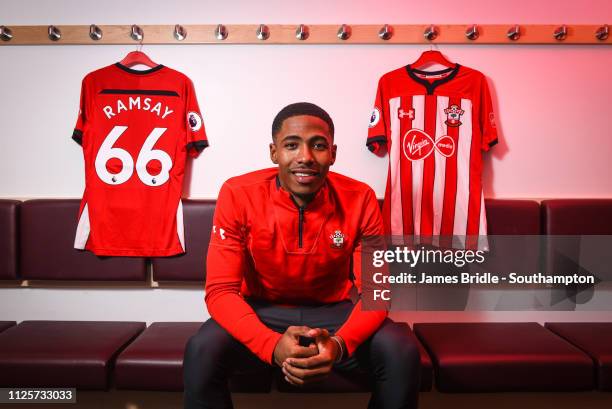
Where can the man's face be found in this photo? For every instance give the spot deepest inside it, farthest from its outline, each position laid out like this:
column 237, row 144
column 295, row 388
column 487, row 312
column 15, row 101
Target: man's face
column 303, row 150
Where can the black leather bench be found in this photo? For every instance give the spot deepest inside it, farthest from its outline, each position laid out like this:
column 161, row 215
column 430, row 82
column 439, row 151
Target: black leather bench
column 154, row 362
column 36, row 239
column 63, row 353
column 190, row 266
column 6, row 325
column 9, row 237
column 47, row 229
column 503, row 357
column 595, row 339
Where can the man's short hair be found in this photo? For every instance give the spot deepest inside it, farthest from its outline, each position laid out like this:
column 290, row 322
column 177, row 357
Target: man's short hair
column 301, row 108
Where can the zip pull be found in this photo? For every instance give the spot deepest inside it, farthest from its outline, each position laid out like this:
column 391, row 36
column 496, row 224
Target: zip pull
column 301, row 210
column 300, row 225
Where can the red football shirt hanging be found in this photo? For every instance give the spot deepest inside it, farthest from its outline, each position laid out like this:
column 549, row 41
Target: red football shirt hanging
column 136, row 128
column 435, row 126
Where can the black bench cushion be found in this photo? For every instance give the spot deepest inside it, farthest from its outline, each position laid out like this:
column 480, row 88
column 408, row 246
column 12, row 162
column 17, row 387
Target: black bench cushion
column 9, row 210
column 512, row 217
column 62, row 353
column 503, row 357
column 154, row 361
column 47, row 238
column 6, row 325
column 577, row 216
column 521, row 220
column 565, row 220
column 190, row 266
column 594, row 338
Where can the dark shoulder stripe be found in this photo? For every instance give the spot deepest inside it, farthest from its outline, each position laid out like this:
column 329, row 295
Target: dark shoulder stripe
column 77, row 136
column 373, row 139
column 140, row 92
column 198, row 145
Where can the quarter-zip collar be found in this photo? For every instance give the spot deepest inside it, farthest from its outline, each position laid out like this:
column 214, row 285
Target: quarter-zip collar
column 310, row 217
column 284, row 198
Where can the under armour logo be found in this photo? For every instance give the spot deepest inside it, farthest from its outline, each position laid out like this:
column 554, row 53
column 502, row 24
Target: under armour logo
column 221, row 232
column 401, row 113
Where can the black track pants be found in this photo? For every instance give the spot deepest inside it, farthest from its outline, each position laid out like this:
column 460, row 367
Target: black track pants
column 390, row 356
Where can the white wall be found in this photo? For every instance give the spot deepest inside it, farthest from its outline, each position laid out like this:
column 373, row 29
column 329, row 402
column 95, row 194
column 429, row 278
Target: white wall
column 552, row 101
column 552, row 104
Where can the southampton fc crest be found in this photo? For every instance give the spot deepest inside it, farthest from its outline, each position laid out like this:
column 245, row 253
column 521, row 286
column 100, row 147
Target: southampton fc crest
column 337, row 239
column 453, row 115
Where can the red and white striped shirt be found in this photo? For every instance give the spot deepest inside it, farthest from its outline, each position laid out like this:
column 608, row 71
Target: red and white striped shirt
column 435, row 126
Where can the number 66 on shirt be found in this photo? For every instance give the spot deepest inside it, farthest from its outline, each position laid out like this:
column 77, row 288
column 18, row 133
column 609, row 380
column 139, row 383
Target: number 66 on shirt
column 146, row 155
column 136, row 128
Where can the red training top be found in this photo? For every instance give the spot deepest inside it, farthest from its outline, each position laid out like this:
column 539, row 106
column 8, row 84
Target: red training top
column 263, row 246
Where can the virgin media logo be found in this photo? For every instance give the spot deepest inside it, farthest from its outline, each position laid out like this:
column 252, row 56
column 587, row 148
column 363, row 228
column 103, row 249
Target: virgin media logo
column 418, row 145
